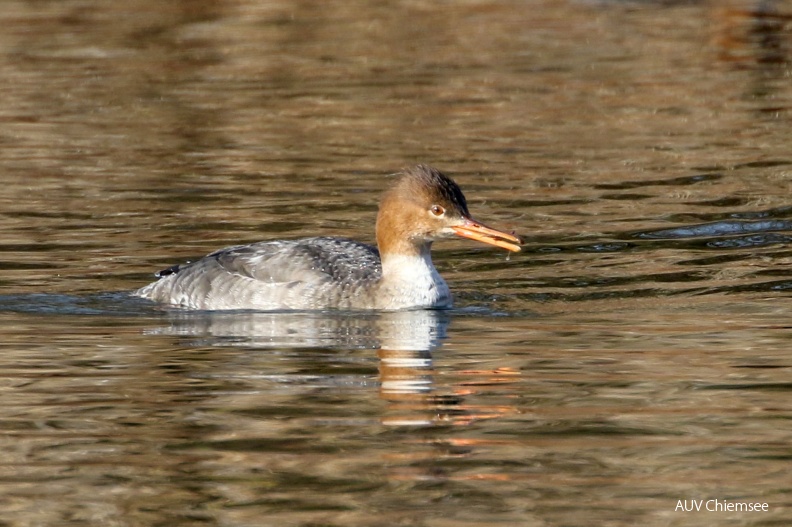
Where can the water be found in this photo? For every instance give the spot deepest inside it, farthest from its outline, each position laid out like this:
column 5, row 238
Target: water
column 635, row 354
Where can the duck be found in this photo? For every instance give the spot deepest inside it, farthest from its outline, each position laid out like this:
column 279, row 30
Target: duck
column 332, row 273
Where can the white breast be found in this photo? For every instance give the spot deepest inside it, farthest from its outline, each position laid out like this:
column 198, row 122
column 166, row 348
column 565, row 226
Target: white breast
column 411, row 281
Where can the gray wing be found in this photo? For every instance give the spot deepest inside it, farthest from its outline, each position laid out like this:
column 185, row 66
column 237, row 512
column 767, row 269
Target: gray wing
column 305, row 260
column 310, row 273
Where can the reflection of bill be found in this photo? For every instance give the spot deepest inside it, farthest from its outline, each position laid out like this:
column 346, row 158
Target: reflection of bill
column 407, row 376
column 407, row 382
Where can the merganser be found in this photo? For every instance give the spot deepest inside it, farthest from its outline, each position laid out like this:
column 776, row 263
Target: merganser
column 338, row 273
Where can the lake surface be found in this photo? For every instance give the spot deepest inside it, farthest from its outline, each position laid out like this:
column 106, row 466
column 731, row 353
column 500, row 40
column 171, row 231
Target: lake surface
column 635, row 354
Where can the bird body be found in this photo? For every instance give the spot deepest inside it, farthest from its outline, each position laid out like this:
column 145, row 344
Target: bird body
column 338, row 273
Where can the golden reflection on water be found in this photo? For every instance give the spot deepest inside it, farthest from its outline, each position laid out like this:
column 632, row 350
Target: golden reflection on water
column 636, row 352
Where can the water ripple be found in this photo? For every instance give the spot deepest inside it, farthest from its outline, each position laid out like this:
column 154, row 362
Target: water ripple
column 718, row 228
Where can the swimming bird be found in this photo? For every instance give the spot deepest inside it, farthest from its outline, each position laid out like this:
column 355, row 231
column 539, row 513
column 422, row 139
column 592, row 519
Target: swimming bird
column 316, row 273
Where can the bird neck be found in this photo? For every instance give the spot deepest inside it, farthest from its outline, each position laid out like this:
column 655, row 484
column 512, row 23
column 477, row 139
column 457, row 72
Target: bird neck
column 407, row 265
column 411, row 280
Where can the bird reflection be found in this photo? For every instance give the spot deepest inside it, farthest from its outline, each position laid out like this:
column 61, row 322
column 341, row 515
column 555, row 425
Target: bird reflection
column 404, row 341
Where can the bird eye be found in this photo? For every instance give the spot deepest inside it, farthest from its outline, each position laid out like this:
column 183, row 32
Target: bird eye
column 437, row 210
